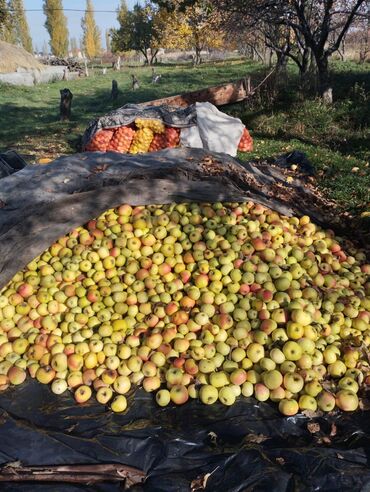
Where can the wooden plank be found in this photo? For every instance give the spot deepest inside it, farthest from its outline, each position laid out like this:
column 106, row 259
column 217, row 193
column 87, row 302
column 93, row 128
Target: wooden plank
column 217, row 95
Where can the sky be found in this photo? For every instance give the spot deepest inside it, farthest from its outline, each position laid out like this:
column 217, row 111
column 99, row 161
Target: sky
column 105, row 21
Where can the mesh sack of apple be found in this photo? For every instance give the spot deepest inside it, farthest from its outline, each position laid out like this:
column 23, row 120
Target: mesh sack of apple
column 217, row 302
column 146, row 135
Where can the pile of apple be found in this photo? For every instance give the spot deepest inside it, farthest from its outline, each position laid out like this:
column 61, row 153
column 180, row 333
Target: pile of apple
column 209, row 301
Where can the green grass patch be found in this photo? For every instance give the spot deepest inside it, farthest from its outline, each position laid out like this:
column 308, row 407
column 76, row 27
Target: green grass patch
column 336, row 138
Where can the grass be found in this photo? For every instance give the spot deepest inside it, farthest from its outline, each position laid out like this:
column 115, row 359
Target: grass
column 31, row 123
column 335, row 138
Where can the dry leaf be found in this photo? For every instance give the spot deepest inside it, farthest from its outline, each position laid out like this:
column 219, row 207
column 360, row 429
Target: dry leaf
column 200, row 483
column 313, row 427
column 364, row 404
column 213, row 437
column 333, row 431
column 256, row 438
column 281, row 461
column 325, row 440
column 99, row 169
column 310, row 413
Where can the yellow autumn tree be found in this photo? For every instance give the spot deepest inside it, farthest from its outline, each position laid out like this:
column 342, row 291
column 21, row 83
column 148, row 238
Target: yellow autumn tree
column 194, row 27
column 91, row 33
column 56, row 25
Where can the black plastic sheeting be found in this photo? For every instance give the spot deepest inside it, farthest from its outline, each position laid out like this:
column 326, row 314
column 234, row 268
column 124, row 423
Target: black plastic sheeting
column 299, row 159
column 177, row 445
column 39, row 204
column 246, row 447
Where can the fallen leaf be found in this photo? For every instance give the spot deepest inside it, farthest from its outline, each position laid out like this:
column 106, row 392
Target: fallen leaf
column 256, row 438
column 364, row 404
column 200, row 483
column 325, row 440
column 281, row 461
column 313, row 427
column 310, row 413
column 213, row 437
column 333, row 431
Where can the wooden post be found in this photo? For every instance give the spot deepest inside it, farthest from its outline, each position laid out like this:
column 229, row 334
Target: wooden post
column 117, row 64
column 135, row 82
column 114, row 93
column 65, row 104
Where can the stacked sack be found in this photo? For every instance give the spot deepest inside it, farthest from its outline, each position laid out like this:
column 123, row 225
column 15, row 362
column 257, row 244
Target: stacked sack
column 146, row 135
column 121, row 140
column 100, row 142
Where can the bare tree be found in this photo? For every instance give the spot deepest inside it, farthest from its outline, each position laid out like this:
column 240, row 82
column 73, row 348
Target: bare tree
column 297, row 29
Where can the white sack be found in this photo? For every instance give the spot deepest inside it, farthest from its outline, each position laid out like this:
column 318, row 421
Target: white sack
column 218, row 131
column 190, row 137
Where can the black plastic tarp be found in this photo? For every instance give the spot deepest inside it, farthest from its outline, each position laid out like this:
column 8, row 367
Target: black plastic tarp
column 246, row 447
column 39, row 204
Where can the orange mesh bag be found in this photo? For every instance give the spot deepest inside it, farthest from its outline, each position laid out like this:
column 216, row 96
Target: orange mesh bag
column 121, row 140
column 159, row 142
column 172, row 137
column 246, row 142
column 100, row 141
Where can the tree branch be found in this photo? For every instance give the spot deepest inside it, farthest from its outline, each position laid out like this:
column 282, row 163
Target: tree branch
column 346, row 26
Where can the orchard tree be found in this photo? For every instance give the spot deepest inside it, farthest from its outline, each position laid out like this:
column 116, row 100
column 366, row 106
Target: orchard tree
column 139, row 30
column 91, row 32
column 56, row 25
column 298, row 29
column 307, row 27
column 190, row 27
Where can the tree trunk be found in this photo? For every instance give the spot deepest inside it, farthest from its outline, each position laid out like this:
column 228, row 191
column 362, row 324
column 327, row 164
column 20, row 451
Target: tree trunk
column 198, row 58
column 146, row 62
column 153, row 55
column 114, row 92
column 65, row 104
column 324, row 89
column 282, row 60
column 281, row 68
column 304, row 70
